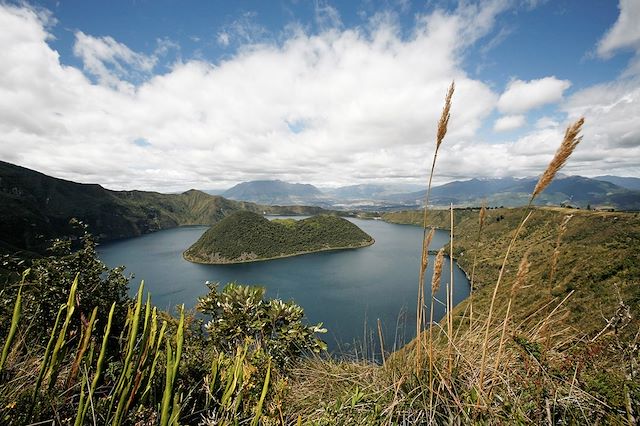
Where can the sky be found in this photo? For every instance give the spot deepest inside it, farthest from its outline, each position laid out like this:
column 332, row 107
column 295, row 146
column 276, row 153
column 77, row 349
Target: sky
column 169, row 95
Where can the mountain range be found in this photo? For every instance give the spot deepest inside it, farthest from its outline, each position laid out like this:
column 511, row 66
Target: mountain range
column 576, row 191
column 274, row 192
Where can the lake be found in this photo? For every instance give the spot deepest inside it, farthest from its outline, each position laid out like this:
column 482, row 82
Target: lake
column 345, row 290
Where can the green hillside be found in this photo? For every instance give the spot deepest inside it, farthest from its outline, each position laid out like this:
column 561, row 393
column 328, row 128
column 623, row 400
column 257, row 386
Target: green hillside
column 245, row 236
column 36, row 208
column 598, row 259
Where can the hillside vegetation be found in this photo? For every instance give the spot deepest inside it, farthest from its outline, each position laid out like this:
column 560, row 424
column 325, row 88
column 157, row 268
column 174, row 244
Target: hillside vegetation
column 246, row 236
column 36, row 208
column 598, row 259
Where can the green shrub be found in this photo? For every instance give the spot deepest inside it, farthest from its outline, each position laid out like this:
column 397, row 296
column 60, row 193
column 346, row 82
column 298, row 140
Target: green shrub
column 240, row 313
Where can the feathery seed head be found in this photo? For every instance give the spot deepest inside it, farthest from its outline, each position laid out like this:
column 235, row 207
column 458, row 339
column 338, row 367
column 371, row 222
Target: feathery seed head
column 425, row 249
column 483, row 214
column 437, row 272
column 521, row 276
column 569, row 143
column 444, row 118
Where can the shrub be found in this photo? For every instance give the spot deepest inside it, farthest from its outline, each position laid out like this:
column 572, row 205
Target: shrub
column 239, row 313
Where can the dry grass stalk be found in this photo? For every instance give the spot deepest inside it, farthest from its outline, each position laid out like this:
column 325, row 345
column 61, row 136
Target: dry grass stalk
column 450, row 293
column 426, row 241
column 493, row 299
column 441, row 133
column 437, row 272
column 481, row 217
column 556, row 251
column 384, row 361
column 521, row 276
column 444, row 117
column 435, row 286
column 569, row 143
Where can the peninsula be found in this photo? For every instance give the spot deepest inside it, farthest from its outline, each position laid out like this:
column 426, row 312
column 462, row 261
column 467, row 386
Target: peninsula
column 249, row 237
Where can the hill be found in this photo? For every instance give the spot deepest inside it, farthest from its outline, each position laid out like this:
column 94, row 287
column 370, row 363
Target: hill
column 576, row 191
column 246, row 236
column 36, row 208
column 273, row 192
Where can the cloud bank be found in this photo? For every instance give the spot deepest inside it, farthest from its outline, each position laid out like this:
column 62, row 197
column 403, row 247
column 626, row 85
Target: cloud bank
column 342, row 106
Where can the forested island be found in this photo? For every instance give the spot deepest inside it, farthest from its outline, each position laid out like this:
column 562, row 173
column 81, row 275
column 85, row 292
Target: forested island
column 247, row 237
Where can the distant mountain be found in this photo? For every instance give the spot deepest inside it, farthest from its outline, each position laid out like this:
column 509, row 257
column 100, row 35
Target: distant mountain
column 35, row 208
column 631, row 183
column 510, row 192
column 369, row 191
column 274, row 192
column 246, row 237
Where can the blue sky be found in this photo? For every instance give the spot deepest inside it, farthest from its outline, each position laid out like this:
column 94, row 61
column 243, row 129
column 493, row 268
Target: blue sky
column 169, row 95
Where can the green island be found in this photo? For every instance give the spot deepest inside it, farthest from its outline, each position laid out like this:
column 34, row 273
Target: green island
column 245, row 236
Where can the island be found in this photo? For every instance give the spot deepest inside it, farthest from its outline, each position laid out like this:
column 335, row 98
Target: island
column 249, row 237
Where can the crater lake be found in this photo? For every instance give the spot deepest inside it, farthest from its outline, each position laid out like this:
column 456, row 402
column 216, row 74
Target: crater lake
column 346, row 290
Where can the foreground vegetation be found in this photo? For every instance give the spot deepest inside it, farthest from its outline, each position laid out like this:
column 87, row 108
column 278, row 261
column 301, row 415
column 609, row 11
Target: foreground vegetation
column 248, row 237
column 77, row 350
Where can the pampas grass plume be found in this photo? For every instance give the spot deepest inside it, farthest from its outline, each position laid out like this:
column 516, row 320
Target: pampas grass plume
column 437, row 272
column 569, row 143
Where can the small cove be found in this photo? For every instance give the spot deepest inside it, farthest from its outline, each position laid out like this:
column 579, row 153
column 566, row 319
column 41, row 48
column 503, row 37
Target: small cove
column 347, row 290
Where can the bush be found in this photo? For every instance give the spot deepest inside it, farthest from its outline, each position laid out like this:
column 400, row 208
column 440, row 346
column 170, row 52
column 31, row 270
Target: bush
column 47, row 287
column 240, row 313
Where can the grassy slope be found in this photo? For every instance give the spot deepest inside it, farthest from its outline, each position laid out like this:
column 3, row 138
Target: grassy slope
column 246, row 236
column 599, row 251
column 35, row 208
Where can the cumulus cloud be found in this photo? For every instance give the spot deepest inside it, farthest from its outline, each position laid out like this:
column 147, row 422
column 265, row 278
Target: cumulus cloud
column 509, row 122
column 522, row 96
column 368, row 100
column 625, row 33
column 110, row 61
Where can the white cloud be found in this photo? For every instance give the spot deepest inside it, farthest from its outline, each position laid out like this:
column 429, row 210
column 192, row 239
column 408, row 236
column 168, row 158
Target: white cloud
column 625, row 33
column 522, row 96
column 326, row 15
column 509, row 122
column 110, row 61
column 223, row 38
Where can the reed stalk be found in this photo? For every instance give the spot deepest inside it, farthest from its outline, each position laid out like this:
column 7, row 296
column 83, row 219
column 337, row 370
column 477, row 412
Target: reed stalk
column 435, row 286
column 568, row 145
column 45, row 361
column 82, row 347
column 556, row 251
column 169, row 406
column 62, row 336
column 15, row 319
column 99, row 365
column 440, row 134
column 263, row 395
column 481, row 217
column 384, row 361
column 450, row 296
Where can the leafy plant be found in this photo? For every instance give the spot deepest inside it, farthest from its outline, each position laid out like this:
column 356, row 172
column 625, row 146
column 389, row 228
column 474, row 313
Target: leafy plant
column 240, row 313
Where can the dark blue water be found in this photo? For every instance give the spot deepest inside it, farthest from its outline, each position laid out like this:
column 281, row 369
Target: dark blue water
column 346, row 290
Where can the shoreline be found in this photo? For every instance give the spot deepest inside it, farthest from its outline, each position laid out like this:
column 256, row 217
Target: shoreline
column 301, row 253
